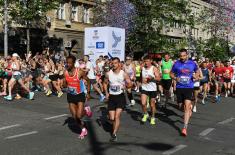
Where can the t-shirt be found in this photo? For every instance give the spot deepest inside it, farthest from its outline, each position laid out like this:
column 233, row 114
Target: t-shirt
column 218, row 73
column 91, row 73
column 184, row 71
column 228, row 72
column 233, row 72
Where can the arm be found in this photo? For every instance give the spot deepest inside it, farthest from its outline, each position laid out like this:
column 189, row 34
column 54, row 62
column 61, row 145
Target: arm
column 157, row 74
column 106, row 82
column 83, row 75
column 128, row 81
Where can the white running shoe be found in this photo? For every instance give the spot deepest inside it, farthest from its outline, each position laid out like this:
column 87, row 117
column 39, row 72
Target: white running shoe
column 194, row 109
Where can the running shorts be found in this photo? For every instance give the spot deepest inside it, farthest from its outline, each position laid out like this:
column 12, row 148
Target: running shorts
column 184, row 94
column 116, row 101
column 75, row 99
column 166, row 84
column 150, row 94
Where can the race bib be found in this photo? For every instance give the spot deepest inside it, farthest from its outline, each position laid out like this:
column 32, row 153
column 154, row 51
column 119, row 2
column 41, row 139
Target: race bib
column 197, row 84
column 115, row 88
column 72, row 91
column 166, row 71
column 184, row 79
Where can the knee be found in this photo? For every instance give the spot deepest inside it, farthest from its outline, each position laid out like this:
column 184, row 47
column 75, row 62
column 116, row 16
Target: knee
column 79, row 116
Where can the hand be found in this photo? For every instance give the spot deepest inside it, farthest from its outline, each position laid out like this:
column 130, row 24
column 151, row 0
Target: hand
column 145, row 80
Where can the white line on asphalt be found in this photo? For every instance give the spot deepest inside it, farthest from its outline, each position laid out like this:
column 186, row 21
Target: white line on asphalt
column 175, row 149
column 8, row 127
column 206, row 132
column 226, row 121
column 58, row 116
column 20, row 135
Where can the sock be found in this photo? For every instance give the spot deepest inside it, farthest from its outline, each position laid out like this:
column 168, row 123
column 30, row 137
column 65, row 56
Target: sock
column 185, row 126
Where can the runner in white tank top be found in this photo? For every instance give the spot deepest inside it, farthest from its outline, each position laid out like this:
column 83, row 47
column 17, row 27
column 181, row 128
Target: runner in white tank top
column 117, row 80
column 150, row 75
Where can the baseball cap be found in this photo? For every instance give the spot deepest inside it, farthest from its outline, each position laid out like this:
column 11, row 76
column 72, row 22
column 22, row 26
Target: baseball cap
column 15, row 55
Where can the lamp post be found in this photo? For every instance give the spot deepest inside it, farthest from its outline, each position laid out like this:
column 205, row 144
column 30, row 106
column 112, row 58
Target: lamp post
column 5, row 29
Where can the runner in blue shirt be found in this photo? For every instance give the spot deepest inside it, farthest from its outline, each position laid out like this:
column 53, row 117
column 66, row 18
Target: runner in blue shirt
column 182, row 71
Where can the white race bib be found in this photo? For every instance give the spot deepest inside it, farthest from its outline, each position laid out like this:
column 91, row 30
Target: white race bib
column 184, row 79
column 197, row 84
column 115, row 88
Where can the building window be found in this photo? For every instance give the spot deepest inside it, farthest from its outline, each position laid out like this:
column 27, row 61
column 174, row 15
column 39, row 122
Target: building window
column 74, row 12
column 61, row 12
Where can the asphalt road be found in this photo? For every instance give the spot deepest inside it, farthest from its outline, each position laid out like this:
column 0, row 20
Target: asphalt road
column 44, row 127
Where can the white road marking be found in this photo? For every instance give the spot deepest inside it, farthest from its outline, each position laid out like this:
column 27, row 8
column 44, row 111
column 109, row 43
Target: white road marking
column 8, row 127
column 21, row 135
column 175, row 149
column 206, row 132
column 226, row 121
column 53, row 117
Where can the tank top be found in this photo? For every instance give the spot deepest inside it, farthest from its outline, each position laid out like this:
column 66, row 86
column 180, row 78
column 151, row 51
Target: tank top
column 129, row 70
column 75, row 85
column 14, row 66
column 205, row 73
column 166, row 68
column 116, row 82
column 138, row 71
column 148, row 73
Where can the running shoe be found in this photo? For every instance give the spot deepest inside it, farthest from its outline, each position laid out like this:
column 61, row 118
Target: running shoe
column 60, row 94
column 194, row 109
column 203, row 102
column 132, row 103
column 18, row 97
column 113, row 138
column 226, row 95
column 145, row 117
column 49, row 92
column 152, row 121
column 184, row 132
column 219, row 98
column 83, row 133
column 31, row 95
column 102, row 98
column 9, row 98
column 88, row 111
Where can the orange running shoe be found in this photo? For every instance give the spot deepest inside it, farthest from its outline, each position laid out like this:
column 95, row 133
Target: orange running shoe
column 184, row 132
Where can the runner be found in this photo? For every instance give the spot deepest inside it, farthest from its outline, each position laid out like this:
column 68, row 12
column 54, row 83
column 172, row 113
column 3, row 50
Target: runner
column 233, row 79
column 150, row 75
column 91, row 75
column 17, row 77
column 205, row 80
column 129, row 68
column 182, row 72
column 116, row 79
column 166, row 81
column 196, row 79
column 227, row 75
column 76, row 96
column 217, row 75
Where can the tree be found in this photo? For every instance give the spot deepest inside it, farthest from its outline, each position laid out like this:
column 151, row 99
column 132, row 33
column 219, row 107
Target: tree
column 119, row 13
column 29, row 13
column 219, row 21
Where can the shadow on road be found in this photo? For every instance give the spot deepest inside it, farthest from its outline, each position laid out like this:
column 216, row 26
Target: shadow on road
column 72, row 125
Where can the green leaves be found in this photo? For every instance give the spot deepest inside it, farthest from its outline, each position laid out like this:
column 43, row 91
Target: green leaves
column 23, row 11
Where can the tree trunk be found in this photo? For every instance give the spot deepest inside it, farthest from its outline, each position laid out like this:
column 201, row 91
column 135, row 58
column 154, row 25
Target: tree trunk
column 28, row 40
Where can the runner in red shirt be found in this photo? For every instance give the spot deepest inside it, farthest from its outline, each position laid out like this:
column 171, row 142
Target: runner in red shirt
column 227, row 75
column 217, row 74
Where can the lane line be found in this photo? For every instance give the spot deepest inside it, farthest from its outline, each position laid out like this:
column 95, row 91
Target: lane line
column 58, row 116
column 8, row 127
column 21, row 135
column 175, row 149
column 227, row 121
column 206, row 132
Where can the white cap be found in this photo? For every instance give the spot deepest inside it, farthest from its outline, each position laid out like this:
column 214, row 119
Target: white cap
column 15, row 55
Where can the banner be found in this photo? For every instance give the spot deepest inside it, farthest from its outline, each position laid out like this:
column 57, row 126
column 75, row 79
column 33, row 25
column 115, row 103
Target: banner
column 104, row 41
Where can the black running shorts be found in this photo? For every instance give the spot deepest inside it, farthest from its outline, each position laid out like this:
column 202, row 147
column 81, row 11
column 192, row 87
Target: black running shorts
column 184, row 94
column 75, row 99
column 116, row 101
